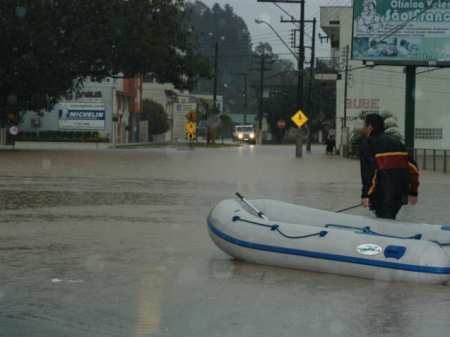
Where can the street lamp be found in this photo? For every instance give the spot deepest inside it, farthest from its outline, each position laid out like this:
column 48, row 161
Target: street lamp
column 260, row 21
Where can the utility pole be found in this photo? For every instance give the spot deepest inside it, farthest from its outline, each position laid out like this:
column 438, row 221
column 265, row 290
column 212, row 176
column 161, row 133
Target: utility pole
column 410, row 108
column 216, row 70
column 311, row 79
column 301, row 61
column 245, row 97
column 245, row 76
column 261, row 95
column 300, row 66
column 264, row 60
column 344, row 132
column 347, row 51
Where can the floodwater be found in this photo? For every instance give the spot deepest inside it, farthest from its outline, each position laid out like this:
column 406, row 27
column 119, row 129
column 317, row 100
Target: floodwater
column 114, row 243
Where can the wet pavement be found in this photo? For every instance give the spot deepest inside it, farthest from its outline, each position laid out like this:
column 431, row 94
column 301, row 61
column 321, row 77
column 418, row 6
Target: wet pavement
column 114, row 243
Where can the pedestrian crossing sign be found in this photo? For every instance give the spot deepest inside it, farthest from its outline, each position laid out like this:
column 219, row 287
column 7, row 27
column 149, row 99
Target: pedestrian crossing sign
column 299, row 119
column 191, row 130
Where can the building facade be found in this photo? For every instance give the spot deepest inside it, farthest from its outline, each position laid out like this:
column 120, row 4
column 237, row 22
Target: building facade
column 177, row 104
column 381, row 89
column 101, row 107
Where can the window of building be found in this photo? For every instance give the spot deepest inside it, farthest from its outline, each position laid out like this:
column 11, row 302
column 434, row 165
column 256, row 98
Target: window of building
column 429, row 133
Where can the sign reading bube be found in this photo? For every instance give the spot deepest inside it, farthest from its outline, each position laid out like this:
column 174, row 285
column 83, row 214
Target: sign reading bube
column 402, row 32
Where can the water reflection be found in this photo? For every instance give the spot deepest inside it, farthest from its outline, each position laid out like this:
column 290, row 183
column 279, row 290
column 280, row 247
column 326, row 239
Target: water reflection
column 148, row 306
column 131, row 225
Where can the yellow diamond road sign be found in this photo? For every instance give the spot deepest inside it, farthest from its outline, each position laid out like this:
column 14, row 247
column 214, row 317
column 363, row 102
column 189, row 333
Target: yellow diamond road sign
column 190, row 127
column 191, row 130
column 299, row 118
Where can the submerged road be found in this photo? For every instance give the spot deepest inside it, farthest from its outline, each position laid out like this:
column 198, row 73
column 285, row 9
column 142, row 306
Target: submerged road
column 107, row 243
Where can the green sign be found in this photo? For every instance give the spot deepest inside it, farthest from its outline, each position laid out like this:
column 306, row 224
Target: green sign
column 402, row 31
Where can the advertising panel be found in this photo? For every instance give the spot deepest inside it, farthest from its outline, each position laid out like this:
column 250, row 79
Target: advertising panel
column 79, row 116
column 403, row 32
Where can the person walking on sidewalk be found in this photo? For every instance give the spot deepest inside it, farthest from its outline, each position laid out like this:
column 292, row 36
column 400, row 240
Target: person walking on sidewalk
column 390, row 178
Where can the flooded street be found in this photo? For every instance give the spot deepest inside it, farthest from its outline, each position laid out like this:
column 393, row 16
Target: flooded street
column 100, row 243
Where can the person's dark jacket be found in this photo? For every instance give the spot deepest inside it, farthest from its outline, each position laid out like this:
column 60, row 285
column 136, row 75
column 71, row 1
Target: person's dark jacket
column 388, row 174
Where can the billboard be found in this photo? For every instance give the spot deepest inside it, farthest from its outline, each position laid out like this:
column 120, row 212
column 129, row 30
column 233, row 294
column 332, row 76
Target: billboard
column 86, row 117
column 415, row 32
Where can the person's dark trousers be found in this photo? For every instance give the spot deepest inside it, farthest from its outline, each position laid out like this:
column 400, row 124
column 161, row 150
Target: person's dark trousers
column 387, row 212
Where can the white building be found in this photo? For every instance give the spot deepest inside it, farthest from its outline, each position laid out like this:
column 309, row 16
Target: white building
column 382, row 88
column 100, row 107
column 177, row 104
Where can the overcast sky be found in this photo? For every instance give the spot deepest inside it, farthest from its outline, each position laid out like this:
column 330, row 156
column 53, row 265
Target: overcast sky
column 251, row 9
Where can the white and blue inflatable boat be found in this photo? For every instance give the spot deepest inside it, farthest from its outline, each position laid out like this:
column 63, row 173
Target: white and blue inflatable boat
column 281, row 234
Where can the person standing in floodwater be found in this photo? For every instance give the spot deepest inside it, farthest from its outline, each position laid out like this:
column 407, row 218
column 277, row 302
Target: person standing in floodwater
column 331, row 143
column 390, row 178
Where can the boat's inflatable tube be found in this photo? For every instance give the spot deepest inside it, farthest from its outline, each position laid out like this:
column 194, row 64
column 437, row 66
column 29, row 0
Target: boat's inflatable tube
column 304, row 238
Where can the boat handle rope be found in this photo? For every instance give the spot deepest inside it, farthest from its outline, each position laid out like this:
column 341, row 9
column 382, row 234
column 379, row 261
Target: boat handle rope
column 276, row 228
column 345, row 227
column 367, row 230
column 442, row 244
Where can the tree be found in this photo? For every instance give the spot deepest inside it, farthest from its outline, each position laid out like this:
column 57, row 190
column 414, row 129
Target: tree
column 222, row 24
column 226, row 126
column 154, row 113
column 51, row 46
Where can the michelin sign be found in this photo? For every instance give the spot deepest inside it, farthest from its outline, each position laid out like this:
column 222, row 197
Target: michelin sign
column 415, row 32
column 78, row 116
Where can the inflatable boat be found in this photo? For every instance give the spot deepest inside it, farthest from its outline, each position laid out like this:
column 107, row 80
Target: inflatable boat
column 280, row 234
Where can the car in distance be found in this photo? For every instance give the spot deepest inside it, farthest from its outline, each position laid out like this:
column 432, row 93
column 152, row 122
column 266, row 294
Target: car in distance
column 244, row 133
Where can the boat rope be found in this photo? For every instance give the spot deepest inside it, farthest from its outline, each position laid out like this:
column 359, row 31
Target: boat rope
column 442, row 244
column 346, row 227
column 367, row 230
column 276, row 228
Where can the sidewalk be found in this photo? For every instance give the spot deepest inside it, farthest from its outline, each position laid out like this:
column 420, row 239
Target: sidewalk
column 59, row 146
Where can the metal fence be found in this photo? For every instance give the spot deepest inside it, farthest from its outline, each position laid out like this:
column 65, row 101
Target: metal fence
column 432, row 159
column 427, row 159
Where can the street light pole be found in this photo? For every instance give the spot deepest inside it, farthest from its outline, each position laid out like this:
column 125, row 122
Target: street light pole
column 260, row 21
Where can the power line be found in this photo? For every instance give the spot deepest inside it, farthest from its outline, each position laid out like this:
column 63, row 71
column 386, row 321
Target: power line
column 292, row 18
